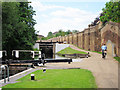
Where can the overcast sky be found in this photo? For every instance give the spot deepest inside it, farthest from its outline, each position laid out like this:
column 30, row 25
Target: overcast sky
column 53, row 15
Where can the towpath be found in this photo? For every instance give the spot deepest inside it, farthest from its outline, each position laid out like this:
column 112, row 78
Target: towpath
column 104, row 71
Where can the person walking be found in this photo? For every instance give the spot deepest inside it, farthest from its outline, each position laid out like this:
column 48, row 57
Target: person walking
column 104, row 49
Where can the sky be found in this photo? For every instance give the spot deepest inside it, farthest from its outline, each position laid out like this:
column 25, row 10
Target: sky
column 53, row 15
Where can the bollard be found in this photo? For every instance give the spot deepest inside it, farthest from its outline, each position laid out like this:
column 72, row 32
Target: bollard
column 86, row 56
column 88, row 53
column 32, row 77
column 68, row 62
column 44, row 69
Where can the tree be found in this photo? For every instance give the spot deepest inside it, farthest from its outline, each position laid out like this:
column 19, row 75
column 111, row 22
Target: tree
column 57, row 34
column 50, row 34
column 26, row 16
column 68, row 32
column 0, row 26
column 111, row 12
column 60, row 33
column 75, row 31
column 17, row 26
column 9, row 23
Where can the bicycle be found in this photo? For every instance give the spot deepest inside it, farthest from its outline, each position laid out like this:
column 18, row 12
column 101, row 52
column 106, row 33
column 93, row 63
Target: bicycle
column 104, row 53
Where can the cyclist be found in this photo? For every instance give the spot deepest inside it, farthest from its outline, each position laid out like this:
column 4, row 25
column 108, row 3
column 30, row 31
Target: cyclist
column 104, row 49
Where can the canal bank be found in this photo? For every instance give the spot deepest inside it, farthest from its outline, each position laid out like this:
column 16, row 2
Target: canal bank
column 105, row 71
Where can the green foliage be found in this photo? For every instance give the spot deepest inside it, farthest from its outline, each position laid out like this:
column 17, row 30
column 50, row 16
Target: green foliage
column 17, row 26
column 50, row 34
column 68, row 32
column 60, row 33
column 0, row 26
column 69, row 50
column 111, row 12
column 43, row 38
column 117, row 58
column 62, row 78
column 36, row 49
column 75, row 31
column 97, row 52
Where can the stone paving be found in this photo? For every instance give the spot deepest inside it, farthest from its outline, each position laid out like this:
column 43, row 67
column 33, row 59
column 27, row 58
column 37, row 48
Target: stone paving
column 105, row 71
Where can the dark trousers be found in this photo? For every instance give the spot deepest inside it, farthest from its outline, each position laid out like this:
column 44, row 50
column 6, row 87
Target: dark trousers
column 103, row 54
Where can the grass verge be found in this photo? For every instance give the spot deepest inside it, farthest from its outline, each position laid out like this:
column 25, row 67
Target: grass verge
column 69, row 50
column 88, row 50
column 117, row 58
column 97, row 52
column 54, row 78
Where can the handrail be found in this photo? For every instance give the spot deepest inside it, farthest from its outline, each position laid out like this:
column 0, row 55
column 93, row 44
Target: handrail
column 1, row 51
column 3, row 67
column 17, row 52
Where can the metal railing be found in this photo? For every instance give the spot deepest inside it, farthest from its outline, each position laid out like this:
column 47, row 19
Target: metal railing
column 3, row 72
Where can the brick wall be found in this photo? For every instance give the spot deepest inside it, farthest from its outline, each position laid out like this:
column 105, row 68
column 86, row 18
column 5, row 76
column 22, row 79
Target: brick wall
column 81, row 40
column 60, row 39
column 93, row 37
column 118, row 45
column 71, row 39
column 63, row 38
column 75, row 39
column 67, row 39
column 110, row 36
column 87, row 39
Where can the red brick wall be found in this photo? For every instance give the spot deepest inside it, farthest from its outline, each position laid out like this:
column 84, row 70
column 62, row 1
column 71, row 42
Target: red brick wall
column 81, row 39
column 111, row 33
column 87, row 39
column 92, row 38
column 67, row 39
column 71, row 39
column 75, row 39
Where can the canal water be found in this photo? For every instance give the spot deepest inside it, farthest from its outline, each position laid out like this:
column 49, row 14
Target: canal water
column 73, row 60
column 14, row 70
